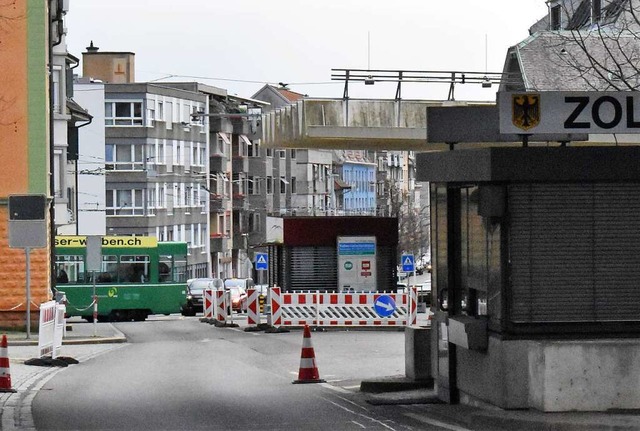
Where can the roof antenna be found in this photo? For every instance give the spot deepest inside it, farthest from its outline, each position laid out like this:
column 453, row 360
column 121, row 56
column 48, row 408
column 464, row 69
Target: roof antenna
column 486, row 82
column 369, row 79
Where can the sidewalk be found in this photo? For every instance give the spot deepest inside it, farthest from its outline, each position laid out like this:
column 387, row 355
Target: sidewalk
column 424, row 405
column 81, row 341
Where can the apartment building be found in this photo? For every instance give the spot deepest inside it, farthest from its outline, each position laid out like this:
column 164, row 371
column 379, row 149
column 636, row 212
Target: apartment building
column 155, row 157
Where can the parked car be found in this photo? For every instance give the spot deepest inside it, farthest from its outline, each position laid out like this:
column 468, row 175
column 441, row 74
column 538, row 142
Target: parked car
column 238, row 288
column 195, row 294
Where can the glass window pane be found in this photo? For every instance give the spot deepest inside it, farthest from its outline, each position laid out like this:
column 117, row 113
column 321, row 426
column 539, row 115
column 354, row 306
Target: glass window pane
column 109, row 149
column 109, row 272
column 123, row 153
column 123, row 109
column 124, row 198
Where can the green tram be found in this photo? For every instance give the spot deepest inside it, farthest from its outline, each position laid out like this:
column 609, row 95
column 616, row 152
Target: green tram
column 139, row 276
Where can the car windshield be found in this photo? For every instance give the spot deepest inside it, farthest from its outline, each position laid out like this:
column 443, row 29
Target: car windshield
column 200, row 284
column 235, row 290
column 233, row 283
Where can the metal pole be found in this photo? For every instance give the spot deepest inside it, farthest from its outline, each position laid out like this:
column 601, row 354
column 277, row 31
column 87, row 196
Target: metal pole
column 27, row 252
column 95, row 305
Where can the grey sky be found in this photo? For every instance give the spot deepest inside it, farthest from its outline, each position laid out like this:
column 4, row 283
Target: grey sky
column 300, row 41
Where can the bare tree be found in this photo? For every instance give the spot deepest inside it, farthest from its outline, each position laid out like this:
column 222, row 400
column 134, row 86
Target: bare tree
column 413, row 220
column 589, row 47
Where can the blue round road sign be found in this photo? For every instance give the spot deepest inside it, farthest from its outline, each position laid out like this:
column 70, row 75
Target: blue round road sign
column 384, row 306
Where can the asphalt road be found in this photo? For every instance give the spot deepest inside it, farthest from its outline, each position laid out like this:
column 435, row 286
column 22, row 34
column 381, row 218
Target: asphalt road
column 181, row 374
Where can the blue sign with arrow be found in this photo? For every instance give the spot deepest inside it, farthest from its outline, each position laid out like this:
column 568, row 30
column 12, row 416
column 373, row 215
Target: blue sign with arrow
column 262, row 261
column 408, row 263
column 384, row 306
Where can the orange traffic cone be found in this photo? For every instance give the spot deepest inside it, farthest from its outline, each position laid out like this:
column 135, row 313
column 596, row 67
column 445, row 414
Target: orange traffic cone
column 308, row 372
column 5, row 374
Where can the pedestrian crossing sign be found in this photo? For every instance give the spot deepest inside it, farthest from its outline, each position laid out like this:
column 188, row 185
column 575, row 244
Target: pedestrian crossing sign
column 408, row 263
column 262, row 261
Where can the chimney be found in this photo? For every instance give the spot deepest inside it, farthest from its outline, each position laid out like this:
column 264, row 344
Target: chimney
column 111, row 67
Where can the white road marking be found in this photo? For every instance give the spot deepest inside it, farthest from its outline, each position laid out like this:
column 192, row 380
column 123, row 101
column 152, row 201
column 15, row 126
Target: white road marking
column 436, row 423
column 369, row 418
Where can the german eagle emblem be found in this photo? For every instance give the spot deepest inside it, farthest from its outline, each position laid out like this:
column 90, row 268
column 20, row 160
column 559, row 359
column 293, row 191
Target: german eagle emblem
column 526, row 110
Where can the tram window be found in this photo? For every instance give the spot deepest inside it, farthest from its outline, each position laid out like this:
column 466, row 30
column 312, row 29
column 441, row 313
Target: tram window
column 172, row 268
column 69, row 269
column 180, row 268
column 109, row 272
column 165, row 269
column 135, row 269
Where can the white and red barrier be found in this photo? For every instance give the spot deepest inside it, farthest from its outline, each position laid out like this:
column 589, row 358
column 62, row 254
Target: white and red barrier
column 220, row 305
column 253, row 306
column 51, row 329
column 342, row 309
column 207, row 303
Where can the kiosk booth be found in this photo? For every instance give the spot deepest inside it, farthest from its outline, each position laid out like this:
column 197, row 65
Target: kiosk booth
column 536, row 274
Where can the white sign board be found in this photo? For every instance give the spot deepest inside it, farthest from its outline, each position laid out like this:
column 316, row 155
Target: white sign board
column 569, row 112
column 357, row 264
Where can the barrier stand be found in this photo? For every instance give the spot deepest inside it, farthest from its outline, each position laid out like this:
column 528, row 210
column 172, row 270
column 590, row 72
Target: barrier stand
column 208, row 305
column 51, row 329
column 221, row 304
column 274, row 318
column 253, row 311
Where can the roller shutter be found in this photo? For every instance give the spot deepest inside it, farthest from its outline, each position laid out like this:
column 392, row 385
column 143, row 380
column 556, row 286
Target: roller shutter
column 311, row 268
column 574, row 252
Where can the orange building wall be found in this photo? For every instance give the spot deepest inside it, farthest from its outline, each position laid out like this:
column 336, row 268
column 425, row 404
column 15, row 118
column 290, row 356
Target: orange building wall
column 13, row 100
column 24, row 137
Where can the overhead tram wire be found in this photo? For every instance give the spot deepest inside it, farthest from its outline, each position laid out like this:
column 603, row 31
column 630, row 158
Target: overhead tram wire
column 245, row 81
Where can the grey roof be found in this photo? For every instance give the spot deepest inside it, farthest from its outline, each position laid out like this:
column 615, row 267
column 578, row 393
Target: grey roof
column 599, row 57
column 578, row 61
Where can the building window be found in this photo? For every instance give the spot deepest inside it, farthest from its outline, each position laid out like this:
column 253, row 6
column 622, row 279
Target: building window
column 282, row 154
column 293, row 153
column 124, row 157
column 253, row 185
column 294, row 185
column 123, row 113
column 556, row 14
column 151, row 112
column 269, row 152
column 254, row 222
column 283, row 185
column 596, row 11
column 254, row 149
column 269, row 185
column 125, row 202
column 57, row 101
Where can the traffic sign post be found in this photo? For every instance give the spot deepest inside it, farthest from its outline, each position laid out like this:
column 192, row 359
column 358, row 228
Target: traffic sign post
column 262, row 263
column 27, row 229
column 409, row 265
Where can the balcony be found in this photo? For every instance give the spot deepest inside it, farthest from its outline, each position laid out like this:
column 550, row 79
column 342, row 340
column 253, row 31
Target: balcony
column 218, row 163
column 240, row 164
column 240, row 126
column 240, row 202
column 216, row 204
column 219, row 243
